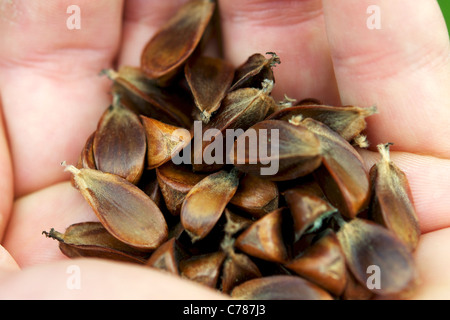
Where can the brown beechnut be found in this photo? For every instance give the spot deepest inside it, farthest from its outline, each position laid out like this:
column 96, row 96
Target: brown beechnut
column 320, row 227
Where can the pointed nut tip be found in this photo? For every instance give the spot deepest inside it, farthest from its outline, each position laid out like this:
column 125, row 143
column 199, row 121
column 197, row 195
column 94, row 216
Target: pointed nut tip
column 275, row 59
column 373, row 109
column 72, row 169
column 383, row 148
column 267, row 86
column 296, row 120
column 206, row 116
column 110, row 73
column 367, row 112
column 361, row 141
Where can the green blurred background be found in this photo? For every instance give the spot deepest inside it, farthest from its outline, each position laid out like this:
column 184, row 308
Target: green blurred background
column 445, row 6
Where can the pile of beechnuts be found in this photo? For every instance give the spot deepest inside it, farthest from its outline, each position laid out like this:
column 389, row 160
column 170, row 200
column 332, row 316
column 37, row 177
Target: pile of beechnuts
column 318, row 227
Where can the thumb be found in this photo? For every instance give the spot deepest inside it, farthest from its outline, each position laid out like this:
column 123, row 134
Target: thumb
column 7, row 262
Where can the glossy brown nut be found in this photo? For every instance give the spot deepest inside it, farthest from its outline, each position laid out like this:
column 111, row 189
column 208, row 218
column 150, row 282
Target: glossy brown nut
column 209, row 80
column 205, row 268
column 238, row 268
column 176, row 40
column 91, row 239
column 170, row 105
column 342, row 176
column 306, row 209
column 167, row 257
column 175, row 182
column 368, row 246
column 163, row 141
column 253, row 72
column 135, row 219
column 348, row 121
column 392, row 202
column 298, row 151
column 119, row 144
column 323, row 263
column 86, row 159
column 206, row 201
column 264, row 238
column 256, row 196
column 279, row 287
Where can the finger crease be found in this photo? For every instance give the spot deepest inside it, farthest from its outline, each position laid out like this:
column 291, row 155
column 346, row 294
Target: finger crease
column 278, row 14
column 388, row 63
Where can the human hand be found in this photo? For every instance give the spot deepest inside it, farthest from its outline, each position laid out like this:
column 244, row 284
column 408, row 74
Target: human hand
column 53, row 97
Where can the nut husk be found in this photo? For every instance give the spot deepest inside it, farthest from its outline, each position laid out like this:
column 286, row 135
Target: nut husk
column 91, row 239
column 279, row 288
column 205, row 268
column 323, row 263
column 167, row 257
column 342, row 176
column 348, row 121
column 122, row 208
column 206, row 201
column 256, row 196
column 119, row 143
column 307, row 210
column 264, row 238
column 254, row 71
column 392, row 202
column 209, row 80
column 174, row 43
column 367, row 244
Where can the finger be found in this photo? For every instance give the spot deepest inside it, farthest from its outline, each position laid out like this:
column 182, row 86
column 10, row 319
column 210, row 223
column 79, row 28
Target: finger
column 6, row 184
column 295, row 31
column 98, row 279
column 428, row 178
column 400, row 63
column 7, row 262
column 433, row 259
column 142, row 18
column 57, row 206
column 52, row 94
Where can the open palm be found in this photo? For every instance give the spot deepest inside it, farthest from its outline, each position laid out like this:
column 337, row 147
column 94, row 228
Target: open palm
column 52, row 98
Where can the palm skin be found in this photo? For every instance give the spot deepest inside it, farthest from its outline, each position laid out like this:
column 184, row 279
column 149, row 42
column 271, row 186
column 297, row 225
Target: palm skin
column 52, row 98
